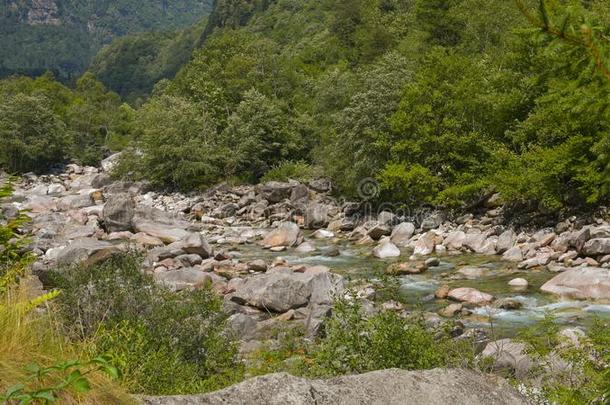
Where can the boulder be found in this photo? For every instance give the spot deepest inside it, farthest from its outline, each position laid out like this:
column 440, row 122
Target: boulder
column 182, row 279
column 509, row 355
column 321, row 185
column 300, row 192
column 193, row 243
column 387, row 218
column 451, row 310
column 506, row 240
column 379, row 230
column 596, row 247
column 518, row 284
column 288, row 234
column 425, row 244
column 166, row 233
column 110, row 162
column 474, row 241
column 280, row 291
column 513, row 254
column 388, row 387
column 316, row 216
column 473, row 272
column 470, row 295
column 455, row 240
column 402, row 234
column 386, row 250
column 275, row 191
column 305, row 247
column 87, row 250
column 118, row 213
column 580, row 283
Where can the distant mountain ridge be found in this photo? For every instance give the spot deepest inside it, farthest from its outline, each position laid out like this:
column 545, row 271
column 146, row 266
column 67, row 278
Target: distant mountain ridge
column 63, row 35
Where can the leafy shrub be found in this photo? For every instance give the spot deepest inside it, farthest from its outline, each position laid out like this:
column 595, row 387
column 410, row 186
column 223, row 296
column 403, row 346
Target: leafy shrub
column 357, row 344
column 570, row 372
column 413, row 185
column 289, row 170
column 70, row 375
column 145, row 327
column 178, row 145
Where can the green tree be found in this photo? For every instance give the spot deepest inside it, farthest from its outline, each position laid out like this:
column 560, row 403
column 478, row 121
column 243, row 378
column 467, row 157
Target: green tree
column 32, row 137
column 178, row 145
column 261, row 135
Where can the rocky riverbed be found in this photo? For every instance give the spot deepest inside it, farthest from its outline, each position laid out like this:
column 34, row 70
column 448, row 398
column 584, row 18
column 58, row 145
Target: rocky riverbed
column 282, row 252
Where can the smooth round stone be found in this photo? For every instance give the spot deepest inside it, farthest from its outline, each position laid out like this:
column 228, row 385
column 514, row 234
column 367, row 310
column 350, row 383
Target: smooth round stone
column 518, row 283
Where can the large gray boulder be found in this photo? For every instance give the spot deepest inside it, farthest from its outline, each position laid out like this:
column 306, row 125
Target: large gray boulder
column 507, row 354
column 182, row 279
column 316, row 216
column 596, row 247
column 506, row 240
column 580, row 283
column 166, row 233
column 402, row 234
column 287, row 234
column 86, row 250
column 282, row 290
column 275, row 191
column 118, row 213
column 385, row 387
column 193, row 243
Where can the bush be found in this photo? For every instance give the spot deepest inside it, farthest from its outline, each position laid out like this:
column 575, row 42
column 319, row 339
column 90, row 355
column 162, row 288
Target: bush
column 414, row 185
column 145, row 327
column 178, row 145
column 570, row 372
column 357, row 343
column 289, row 170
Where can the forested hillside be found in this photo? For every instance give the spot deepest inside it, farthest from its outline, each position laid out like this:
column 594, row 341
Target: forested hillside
column 62, row 35
column 441, row 102
column 131, row 65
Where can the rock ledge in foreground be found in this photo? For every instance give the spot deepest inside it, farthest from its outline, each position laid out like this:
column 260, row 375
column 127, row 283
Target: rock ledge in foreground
column 387, row 387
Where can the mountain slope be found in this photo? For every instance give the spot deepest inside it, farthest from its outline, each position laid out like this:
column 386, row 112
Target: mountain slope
column 63, row 35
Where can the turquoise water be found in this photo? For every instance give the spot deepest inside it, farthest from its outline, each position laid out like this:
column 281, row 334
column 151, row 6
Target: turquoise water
column 358, row 266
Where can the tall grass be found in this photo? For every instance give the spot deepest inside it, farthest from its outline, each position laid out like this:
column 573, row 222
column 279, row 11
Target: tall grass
column 30, row 336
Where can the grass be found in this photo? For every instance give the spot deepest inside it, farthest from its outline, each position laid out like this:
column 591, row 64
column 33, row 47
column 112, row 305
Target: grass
column 31, row 336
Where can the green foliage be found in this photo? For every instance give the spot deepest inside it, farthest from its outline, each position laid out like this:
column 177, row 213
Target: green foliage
column 583, row 378
column 290, row 170
column 70, row 375
column 32, row 137
column 179, row 146
column 358, row 344
column 44, row 123
column 144, row 328
column 434, row 18
column 414, row 185
column 70, row 33
column 132, row 65
column 261, row 134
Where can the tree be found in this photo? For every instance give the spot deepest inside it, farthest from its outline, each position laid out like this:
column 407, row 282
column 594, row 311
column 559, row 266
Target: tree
column 32, row 137
column 261, row 134
column 435, row 19
column 179, row 145
column 574, row 26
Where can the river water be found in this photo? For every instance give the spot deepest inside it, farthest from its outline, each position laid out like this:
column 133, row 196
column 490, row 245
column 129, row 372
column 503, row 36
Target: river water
column 359, row 267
